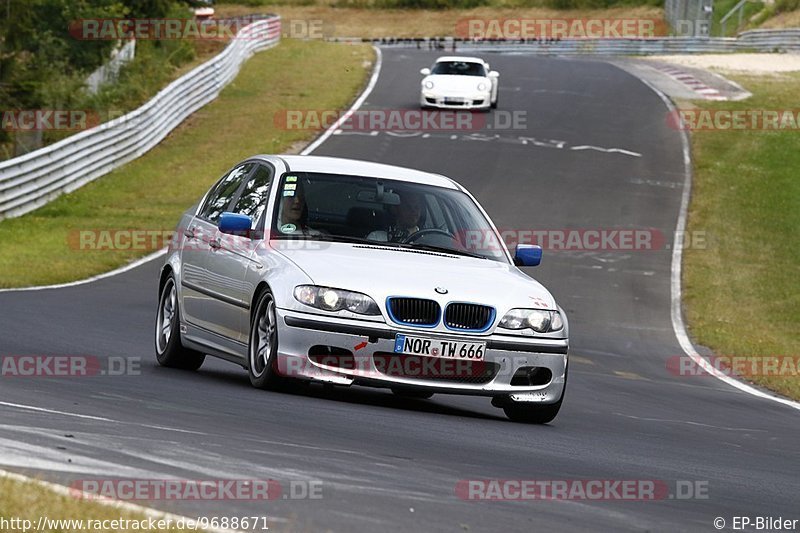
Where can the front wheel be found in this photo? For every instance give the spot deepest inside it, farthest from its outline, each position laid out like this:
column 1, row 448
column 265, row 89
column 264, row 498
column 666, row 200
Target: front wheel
column 532, row 414
column 413, row 394
column 529, row 413
column 263, row 346
column 169, row 350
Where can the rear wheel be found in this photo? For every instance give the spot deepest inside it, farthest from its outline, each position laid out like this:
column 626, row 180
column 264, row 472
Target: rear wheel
column 169, row 350
column 263, row 346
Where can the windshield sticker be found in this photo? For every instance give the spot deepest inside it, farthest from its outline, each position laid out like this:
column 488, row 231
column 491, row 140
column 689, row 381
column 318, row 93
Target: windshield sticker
column 290, row 187
column 288, row 193
column 288, row 228
column 290, row 179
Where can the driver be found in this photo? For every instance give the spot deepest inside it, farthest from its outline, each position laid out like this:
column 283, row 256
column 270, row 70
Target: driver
column 407, row 219
column 293, row 217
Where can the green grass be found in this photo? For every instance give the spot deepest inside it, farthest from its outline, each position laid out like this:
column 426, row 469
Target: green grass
column 30, row 501
column 152, row 192
column 742, row 294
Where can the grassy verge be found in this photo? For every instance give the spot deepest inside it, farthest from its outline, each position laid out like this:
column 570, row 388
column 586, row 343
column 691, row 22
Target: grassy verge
column 741, row 293
column 374, row 23
column 151, row 192
column 30, row 501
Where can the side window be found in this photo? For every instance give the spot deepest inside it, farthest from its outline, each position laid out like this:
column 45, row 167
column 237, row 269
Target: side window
column 253, row 199
column 223, row 192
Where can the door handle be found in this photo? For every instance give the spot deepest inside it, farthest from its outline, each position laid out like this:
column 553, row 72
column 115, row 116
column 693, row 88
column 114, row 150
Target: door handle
column 189, row 233
column 215, row 244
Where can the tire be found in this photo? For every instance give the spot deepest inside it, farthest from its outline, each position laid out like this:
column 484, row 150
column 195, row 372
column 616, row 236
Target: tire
column 494, row 104
column 527, row 413
column 170, row 352
column 532, row 414
column 413, row 394
column 262, row 348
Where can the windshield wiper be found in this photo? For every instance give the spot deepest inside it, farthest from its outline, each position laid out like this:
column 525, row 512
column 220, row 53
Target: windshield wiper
column 345, row 239
column 442, row 249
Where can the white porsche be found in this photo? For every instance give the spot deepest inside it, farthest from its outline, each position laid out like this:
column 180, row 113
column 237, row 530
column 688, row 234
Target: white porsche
column 354, row 273
column 455, row 82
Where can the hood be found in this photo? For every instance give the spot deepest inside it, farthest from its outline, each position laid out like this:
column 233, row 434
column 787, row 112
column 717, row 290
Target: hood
column 457, row 84
column 382, row 272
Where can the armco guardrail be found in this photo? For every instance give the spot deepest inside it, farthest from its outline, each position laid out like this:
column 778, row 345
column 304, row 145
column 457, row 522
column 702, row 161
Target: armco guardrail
column 32, row 180
column 751, row 41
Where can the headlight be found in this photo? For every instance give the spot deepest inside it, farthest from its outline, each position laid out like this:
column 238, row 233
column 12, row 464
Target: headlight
column 329, row 299
column 481, row 86
column 428, row 84
column 539, row 320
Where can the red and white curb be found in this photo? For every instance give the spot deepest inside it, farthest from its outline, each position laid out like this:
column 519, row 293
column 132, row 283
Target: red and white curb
column 709, row 93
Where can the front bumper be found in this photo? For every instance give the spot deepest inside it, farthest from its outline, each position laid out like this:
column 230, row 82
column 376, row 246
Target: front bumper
column 345, row 352
column 439, row 101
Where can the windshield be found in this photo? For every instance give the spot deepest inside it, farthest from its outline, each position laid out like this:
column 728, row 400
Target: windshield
column 342, row 208
column 458, row 68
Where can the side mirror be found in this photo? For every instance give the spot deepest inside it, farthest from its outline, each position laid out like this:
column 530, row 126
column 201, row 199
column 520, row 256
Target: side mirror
column 529, row 255
column 235, row 224
column 425, row 72
column 494, row 74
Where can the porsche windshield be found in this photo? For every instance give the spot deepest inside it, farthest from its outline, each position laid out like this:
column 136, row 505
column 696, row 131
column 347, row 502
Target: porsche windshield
column 458, row 68
column 380, row 211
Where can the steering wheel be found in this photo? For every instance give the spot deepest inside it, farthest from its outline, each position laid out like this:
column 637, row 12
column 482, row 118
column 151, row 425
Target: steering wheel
column 428, row 231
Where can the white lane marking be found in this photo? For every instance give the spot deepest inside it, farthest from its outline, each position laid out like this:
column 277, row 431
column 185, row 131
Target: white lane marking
column 358, row 103
column 54, row 412
column 97, row 418
column 690, row 423
column 606, row 150
column 482, row 137
column 675, row 280
column 61, row 490
column 121, row 270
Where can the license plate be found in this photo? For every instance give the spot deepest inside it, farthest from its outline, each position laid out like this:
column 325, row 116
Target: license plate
column 459, row 101
column 408, row 345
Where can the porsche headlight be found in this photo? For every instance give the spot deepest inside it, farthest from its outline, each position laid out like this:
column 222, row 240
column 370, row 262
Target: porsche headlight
column 329, row 299
column 482, row 86
column 539, row 320
column 428, row 84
